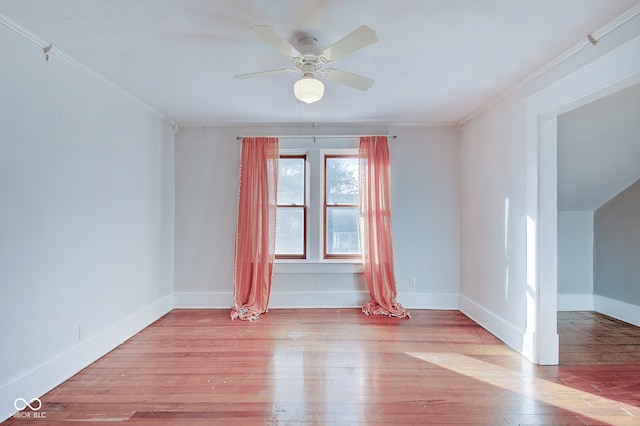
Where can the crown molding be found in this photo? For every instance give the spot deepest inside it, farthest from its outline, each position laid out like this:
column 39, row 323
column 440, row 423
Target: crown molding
column 50, row 49
column 322, row 127
column 617, row 22
column 596, row 35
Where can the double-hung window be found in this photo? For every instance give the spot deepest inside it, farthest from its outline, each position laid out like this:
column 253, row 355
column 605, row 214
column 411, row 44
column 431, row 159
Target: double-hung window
column 317, row 216
column 341, row 215
column 291, row 214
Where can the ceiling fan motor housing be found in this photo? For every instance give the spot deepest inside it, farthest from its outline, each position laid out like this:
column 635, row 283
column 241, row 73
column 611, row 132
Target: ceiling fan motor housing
column 310, row 60
column 307, row 63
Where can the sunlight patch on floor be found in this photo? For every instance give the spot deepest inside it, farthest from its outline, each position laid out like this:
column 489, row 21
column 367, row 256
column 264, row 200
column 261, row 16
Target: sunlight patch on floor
column 583, row 404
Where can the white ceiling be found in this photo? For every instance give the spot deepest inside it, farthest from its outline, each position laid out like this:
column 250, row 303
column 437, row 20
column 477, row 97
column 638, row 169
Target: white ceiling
column 436, row 61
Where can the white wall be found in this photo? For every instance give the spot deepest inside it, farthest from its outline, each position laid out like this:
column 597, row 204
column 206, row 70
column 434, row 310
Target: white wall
column 616, row 274
column 575, row 260
column 86, row 214
column 425, row 195
column 425, row 203
column 498, row 288
column 493, row 220
column 598, row 150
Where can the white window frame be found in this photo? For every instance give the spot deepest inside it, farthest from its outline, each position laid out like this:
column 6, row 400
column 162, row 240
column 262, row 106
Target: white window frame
column 305, row 251
column 324, row 153
column 315, row 261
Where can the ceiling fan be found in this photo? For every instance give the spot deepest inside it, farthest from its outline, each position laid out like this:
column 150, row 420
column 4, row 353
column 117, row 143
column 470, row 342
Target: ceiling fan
column 307, row 59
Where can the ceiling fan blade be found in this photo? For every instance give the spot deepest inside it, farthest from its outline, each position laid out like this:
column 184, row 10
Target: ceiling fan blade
column 267, row 34
column 356, row 40
column 348, row 79
column 264, row 73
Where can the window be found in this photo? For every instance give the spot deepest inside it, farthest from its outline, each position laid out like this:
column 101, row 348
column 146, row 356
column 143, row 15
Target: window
column 291, row 214
column 341, row 215
column 317, row 216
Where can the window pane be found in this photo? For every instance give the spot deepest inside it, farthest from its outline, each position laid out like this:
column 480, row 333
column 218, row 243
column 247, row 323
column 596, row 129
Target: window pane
column 291, row 181
column 342, row 180
column 290, row 231
column 342, row 230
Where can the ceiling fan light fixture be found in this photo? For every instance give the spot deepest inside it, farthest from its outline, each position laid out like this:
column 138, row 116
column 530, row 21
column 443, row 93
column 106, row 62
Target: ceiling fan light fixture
column 308, row 89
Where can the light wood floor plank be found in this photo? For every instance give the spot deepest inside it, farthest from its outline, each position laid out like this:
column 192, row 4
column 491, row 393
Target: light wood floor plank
column 338, row 366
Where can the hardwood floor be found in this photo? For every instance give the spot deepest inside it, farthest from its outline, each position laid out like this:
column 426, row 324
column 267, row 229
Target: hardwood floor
column 327, row 366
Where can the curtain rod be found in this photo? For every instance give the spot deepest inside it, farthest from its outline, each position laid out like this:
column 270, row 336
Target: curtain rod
column 314, row 137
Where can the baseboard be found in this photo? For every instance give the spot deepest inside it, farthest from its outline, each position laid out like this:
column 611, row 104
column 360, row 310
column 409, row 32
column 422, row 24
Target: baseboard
column 44, row 377
column 315, row 299
column 278, row 299
column 616, row 309
column 203, row 299
column 575, row 302
column 442, row 301
column 510, row 334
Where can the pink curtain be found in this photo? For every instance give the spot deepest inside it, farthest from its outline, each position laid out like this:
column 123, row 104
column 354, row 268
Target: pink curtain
column 256, row 227
column 375, row 212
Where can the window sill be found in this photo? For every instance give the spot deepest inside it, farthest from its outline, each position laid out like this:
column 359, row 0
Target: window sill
column 346, row 266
